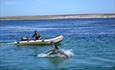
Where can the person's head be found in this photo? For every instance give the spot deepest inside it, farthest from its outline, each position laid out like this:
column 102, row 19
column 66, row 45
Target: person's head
column 35, row 31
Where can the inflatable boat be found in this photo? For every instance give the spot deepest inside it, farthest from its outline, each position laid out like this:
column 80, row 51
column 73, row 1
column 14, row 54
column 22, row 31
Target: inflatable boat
column 40, row 42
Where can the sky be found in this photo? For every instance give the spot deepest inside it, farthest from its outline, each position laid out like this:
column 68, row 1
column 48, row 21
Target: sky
column 55, row 7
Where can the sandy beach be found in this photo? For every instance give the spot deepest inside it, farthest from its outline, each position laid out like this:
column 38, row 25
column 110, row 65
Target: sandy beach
column 66, row 16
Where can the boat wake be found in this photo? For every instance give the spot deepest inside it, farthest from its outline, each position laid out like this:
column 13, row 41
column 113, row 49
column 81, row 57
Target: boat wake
column 6, row 43
column 69, row 53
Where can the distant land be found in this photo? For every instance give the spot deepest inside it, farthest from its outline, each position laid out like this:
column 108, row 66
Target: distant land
column 65, row 16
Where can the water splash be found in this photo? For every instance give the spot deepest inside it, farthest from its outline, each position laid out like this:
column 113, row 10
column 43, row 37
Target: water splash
column 69, row 53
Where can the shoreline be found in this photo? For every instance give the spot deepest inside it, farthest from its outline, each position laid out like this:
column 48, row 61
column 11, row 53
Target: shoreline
column 68, row 16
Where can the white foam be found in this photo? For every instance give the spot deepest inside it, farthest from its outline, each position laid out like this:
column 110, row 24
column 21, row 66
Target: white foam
column 42, row 55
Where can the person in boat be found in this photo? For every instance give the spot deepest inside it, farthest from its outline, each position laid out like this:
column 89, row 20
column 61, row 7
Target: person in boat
column 56, row 50
column 36, row 35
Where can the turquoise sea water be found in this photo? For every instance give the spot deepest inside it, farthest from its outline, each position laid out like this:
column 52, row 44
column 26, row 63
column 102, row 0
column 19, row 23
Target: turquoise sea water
column 92, row 42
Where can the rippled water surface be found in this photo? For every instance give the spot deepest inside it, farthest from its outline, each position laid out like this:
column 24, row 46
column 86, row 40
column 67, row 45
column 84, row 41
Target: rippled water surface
column 92, row 42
